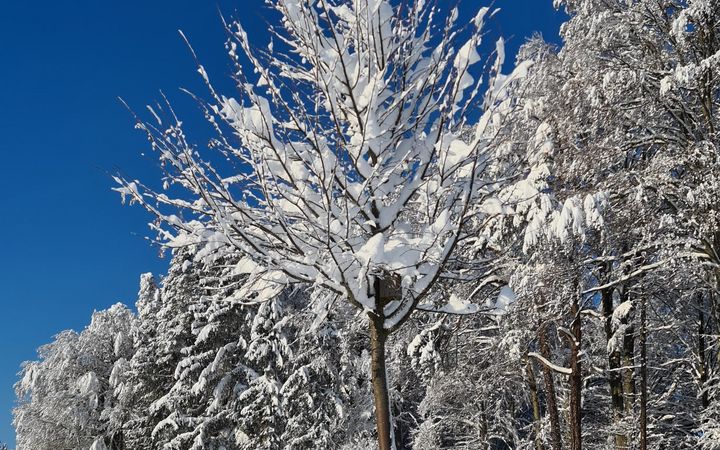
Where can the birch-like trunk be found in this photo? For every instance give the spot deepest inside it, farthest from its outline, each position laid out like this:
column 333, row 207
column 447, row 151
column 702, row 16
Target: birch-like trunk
column 576, row 381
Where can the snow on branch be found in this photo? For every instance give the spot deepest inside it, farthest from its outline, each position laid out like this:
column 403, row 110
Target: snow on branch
column 348, row 158
column 545, row 362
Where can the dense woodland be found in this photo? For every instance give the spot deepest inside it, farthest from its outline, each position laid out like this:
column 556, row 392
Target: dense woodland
column 574, row 299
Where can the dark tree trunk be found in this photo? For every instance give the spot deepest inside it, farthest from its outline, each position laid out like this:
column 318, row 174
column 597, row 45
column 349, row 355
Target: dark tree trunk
column 628, row 361
column 117, row 442
column 702, row 330
column 535, row 401
column 378, row 336
column 550, row 395
column 483, row 426
column 614, row 371
column 643, row 375
column 576, row 380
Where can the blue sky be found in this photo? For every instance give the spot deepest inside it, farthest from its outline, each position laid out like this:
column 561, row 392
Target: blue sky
column 69, row 247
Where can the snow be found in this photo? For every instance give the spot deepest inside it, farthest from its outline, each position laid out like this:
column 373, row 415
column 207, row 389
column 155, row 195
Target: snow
column 246, row 266
column 457, row 306
column 99, row 444
column 89, row 384
column 167, row 422
column 480, row 17
column 379, row 186
column 620, row 323
column 666, row 85
column 368, row 170
column 621, row 314
column 120, row 340
column 128, row 189
column 555, row 367
column 505, row 299
column 454, row 306
column 577, row 215
column 466, row 56
column 372, row 251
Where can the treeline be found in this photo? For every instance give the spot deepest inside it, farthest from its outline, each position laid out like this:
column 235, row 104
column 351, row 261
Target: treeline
column 196, row 369
column 599, row 303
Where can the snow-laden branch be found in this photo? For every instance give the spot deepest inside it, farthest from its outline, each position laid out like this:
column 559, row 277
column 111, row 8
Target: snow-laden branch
column 545, row 362
column 348, row 160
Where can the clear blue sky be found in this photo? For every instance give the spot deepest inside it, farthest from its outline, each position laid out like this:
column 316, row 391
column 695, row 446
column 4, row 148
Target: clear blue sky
column 69, row 247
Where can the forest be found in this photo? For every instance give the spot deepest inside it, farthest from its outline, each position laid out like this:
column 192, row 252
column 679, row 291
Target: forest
column 388, row 243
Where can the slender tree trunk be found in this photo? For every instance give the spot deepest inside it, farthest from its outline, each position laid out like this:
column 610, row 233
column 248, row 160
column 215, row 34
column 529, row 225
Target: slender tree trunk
column 483, row 426
column 629, row 371
column 378, row 337
column 117, row 442
column 616, row 393
column 702, row 351
column 550, row 395
column 576, row 380
column 628, row 361
column 535, row 401
column 614, row 371
column 643, row 375
column 628, row 353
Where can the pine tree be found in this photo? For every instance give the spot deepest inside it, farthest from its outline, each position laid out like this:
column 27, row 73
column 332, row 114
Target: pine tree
column 162, row 333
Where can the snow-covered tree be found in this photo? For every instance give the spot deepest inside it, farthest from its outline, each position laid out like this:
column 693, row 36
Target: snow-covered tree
column 349, row 172
column 364, row 172
column 624, row 115
column 162, row 332
column 64, row 398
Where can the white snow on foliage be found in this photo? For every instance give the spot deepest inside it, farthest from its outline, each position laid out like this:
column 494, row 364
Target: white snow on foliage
column 379, row 188
column 370, row 141
column 505, row 299
column 622, row 313
column 620, row 323
column 455, row 305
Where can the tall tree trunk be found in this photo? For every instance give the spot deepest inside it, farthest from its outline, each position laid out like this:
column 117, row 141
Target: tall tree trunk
column 614, row 371
column 643, row 374
column 535, row 401
column 550, row 395
column 629, row 371
column 483, row 427
column 702, row 351
column 378, row 337
column 576, row 380
column 117, row 442
column 628, row 360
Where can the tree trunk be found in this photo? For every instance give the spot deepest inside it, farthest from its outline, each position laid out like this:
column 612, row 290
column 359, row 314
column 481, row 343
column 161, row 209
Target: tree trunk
column 378, row 336
column 628, row 359
column 483, row 426
column 535, row 401
column 614, row 371
column 643, row 375
column 576, row 380
column 550, row 395
column 702, row 351
column 117, row 442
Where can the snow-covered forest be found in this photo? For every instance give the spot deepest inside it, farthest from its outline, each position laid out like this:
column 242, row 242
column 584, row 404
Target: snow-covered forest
column 390, row 243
